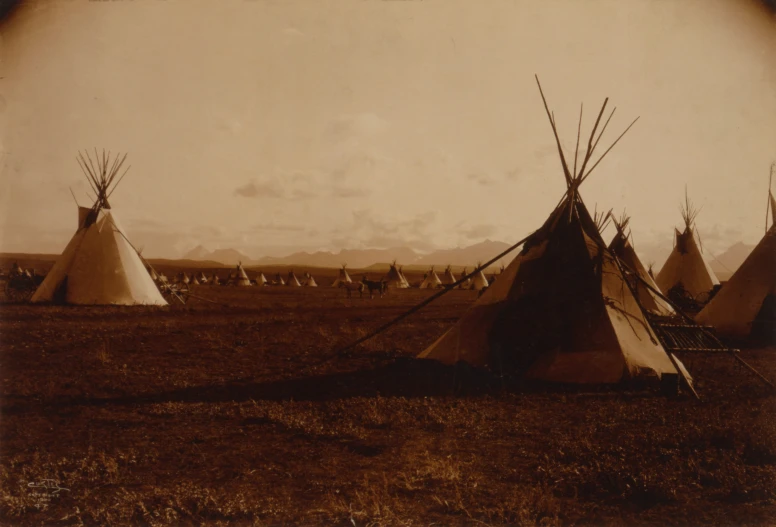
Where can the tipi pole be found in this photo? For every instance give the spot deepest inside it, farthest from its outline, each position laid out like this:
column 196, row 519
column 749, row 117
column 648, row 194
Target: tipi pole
column 770, row 180
column 430, row 299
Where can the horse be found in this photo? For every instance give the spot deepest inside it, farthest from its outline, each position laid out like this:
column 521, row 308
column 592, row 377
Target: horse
column 375, row 285
column 352, row 286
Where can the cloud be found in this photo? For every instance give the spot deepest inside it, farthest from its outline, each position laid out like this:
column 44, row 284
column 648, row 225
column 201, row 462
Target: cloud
column 260, row 189
column 371, row 230
column 479, row 231
column 280, row 227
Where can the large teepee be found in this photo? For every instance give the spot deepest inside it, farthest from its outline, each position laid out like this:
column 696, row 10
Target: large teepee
column 562, row 310
column 746, row 305
column 343, row 277
column 686, row 267
column 642, row 281
column 431, row 280
column 395, row 278
column 99, row 265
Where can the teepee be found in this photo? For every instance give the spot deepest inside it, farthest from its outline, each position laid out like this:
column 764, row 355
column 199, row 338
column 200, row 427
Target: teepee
column 202, row 278
column 562, row 311
column 292, row 280
column 642, row 282
column 343, row 277
column 431, row 280
column 746, row 305
column 99, row 265
column 448, row 278
column 395, row 278
column 686, row 267
column 193, row 280
column 214, row 280
column 309, row 280
column 466, row 284
column 478, row 282
column 240, row 278
column 261, row 279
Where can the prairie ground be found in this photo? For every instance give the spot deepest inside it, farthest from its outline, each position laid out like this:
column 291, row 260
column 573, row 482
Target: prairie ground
column 240, row 412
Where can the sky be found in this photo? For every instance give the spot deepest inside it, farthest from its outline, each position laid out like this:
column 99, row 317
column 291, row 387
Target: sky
column 272, row 126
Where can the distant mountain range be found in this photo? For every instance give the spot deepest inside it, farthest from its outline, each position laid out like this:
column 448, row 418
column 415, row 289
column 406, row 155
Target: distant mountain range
column 363, row 258
column 725, row 264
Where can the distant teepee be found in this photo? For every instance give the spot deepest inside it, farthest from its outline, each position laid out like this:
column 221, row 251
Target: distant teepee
column 448, row 279
column 309, row 280
column 292, row 280
column 478, row 282
column 99, row 265
column 686, row 267
column 343, row 277
column 431, row 280
column 241, row 278
column 395, row 279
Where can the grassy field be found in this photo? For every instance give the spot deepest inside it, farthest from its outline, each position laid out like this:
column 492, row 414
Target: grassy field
column 240, row 412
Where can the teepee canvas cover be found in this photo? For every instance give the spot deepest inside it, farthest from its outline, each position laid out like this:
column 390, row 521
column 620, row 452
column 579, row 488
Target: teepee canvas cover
column 562, row 311
column 261, row 279
column 99, row 265
column 448, row 278
column 686, row 265
column 749, row 295
column 431, row 280
column 343, row 277
column 310, row 281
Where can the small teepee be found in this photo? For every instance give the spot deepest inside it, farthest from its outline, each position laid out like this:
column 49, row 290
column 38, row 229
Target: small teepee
column 292, row 280
column 261, row 280
column 686, row 267
column 478, row 282
column 448, row 279
column 395, row 279
column 466, row 284
column 431, row 280
column 624, row 250
column 202, row 278
column 241, row 278
column 746, row 305
column 309, row 280
column 214, row 280
column 99, row 265
column 343, row 277
column 563, row 310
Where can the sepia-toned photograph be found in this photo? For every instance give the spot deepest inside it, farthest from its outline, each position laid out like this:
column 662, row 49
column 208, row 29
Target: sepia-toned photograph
column 371, row 263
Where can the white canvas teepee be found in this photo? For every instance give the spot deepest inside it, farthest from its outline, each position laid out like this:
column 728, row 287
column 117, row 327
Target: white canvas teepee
column 623, row 249
column 448, row 277
column 686, row 267
column 343, row 277
column 292, row 280
column 261, row 279
column 99, row 265
column 478, row 282
column 749, row 296
column 395, row 279
column 241, row 278
column 466, row 284
column 562, row 311
column 310, row 281
column 431, row 280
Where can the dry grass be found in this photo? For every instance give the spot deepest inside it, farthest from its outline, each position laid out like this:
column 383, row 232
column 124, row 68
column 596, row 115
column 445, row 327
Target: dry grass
column 232, row 416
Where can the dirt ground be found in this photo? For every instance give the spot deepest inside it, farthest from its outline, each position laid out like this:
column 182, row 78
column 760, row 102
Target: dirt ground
column 240, row 412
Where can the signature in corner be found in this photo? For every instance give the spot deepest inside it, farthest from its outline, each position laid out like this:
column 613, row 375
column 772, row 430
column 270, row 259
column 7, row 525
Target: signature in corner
column 52, row 486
